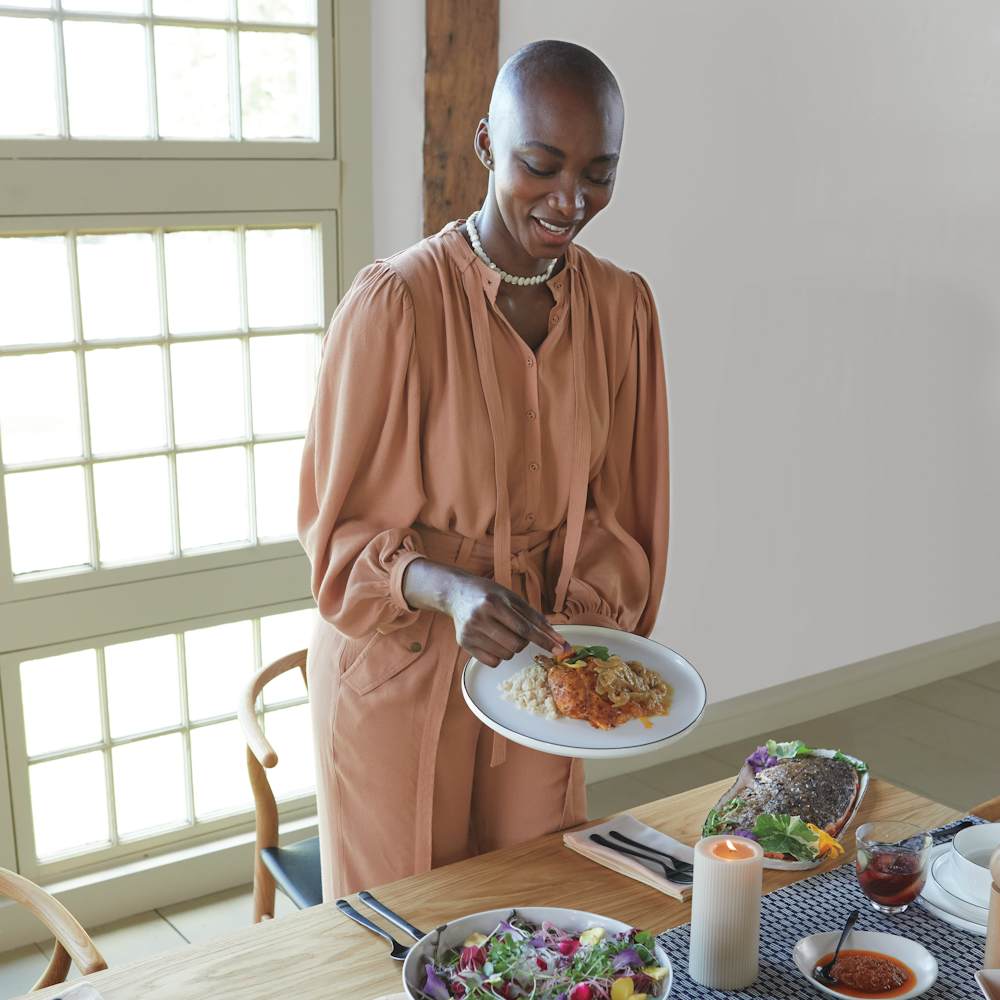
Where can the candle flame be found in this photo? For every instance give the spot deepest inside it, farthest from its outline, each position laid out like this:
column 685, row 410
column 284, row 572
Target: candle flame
column 730, row 845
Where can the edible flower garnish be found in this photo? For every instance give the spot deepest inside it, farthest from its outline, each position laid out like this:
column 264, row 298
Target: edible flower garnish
column 624, row 989
column 827, row 844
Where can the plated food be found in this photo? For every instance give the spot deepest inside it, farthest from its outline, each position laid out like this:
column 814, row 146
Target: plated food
column 524, row 958
column 590, row 683
column 516, row 700
column 794, row 800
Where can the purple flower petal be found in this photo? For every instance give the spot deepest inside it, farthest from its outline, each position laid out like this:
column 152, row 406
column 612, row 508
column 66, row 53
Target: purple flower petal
column 434, row 986
column 626, row 958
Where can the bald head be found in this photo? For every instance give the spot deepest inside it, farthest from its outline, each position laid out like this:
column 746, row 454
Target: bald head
column 542, row 65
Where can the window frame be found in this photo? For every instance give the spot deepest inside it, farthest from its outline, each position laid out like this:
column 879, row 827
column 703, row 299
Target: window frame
column 59, row 147
column 38, row 188
column 60, row 581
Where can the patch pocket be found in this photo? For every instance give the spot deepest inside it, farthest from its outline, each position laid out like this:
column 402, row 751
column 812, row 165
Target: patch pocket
column 387, row 653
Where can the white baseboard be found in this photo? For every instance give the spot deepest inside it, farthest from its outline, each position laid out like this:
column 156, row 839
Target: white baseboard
column 141, row 886
column 187, row 874
column 821, row 694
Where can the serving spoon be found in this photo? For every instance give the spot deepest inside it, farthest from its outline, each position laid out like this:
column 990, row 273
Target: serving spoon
column 822, row 972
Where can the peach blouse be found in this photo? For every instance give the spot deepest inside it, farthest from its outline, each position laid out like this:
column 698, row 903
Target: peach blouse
column 432, row 412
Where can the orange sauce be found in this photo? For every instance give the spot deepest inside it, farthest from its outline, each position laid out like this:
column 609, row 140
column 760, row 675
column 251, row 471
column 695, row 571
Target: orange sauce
column 847, row 991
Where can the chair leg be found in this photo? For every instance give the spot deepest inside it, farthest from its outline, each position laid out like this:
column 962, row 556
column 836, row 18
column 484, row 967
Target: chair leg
column 263, row 893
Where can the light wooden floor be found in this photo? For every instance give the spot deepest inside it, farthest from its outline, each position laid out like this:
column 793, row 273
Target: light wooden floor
column 942, row 741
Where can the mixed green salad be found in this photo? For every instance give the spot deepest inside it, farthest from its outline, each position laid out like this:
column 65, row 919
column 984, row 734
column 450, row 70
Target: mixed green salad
column 779, row 833
column 521, row 960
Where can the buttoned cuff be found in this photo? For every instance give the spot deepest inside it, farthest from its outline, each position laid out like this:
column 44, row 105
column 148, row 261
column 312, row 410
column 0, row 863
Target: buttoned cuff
column 396, row 579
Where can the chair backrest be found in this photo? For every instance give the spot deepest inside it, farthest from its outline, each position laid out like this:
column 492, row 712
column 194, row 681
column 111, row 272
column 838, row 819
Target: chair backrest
column 260, row 753
column 73, row 944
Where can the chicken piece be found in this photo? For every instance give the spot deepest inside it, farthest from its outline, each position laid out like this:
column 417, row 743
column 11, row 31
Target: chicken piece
column 574, row 691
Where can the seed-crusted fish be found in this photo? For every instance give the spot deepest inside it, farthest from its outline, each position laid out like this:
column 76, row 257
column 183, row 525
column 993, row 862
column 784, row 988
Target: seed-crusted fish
column 821, row 790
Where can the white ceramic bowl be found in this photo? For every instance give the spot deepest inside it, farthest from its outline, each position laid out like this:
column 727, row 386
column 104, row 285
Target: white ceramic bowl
column 972, row 849
column 456, row 931
column 807, row 953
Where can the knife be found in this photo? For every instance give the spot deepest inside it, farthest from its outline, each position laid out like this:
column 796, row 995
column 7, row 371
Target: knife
column 395, row 918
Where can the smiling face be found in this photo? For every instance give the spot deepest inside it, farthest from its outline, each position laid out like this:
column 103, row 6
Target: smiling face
column 553, row 146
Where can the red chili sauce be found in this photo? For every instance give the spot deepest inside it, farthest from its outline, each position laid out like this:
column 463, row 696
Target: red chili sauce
column 870, row 974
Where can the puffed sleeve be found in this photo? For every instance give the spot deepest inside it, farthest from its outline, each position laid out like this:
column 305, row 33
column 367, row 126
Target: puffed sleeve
column 360, row 487
column 619, row 573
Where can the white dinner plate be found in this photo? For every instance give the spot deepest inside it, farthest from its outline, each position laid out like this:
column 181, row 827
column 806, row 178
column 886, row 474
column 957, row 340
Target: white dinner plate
column 945, row 906
column 807, row 953
column 940, row 874
column 574, row 737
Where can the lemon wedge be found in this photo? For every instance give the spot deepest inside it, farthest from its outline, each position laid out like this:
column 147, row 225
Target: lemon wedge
column 592, row 935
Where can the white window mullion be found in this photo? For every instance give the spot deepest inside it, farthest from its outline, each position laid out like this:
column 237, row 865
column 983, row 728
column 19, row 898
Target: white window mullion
column 81, row 374
column 152, row 105
column 186, row 724
column 109, row 770
column 62, row 91
column 235, row 95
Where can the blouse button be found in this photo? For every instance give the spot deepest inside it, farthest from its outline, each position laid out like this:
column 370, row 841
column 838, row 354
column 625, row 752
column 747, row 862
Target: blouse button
column 533, row 466
column 531, row 362
column 415, row 647
column 531, row 414
column 529, row 517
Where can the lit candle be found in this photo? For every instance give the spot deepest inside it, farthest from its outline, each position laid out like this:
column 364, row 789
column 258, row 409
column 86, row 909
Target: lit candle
column 725, row 912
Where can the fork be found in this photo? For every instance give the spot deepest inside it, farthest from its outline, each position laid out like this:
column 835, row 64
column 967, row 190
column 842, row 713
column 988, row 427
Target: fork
column 669, row 873
column 399, row 951
column 676, row 862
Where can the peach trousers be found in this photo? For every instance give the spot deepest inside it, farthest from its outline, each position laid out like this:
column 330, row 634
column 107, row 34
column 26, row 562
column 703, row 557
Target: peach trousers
column 407, row 778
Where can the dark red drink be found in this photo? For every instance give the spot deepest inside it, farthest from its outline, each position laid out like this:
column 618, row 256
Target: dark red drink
column 891, row 872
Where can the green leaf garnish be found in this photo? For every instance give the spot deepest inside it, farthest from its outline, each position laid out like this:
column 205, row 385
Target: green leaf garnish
column 719, row 820
column 788, row 751
column 859, row 765
column 783, row 834
column 583, row 652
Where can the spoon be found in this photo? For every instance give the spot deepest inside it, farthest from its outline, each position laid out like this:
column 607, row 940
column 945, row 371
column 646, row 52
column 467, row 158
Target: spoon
column 822, row 972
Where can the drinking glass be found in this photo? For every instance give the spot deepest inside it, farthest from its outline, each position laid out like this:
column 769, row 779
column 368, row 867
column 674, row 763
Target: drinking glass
column 892, row 863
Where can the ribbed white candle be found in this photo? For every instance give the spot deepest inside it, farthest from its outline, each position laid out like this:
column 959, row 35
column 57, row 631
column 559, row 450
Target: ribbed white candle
column 725, row 912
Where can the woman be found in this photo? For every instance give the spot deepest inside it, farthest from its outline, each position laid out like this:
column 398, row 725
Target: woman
column 487, row 455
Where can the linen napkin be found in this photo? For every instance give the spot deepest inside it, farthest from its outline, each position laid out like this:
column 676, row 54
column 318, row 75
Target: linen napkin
column 80, row 991
column 629, row 826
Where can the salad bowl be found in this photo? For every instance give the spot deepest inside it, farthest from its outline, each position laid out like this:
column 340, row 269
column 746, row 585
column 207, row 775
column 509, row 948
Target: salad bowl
column 453, row 934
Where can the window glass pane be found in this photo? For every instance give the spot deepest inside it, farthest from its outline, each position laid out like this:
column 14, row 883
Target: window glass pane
column 29, row 4
column 192, row 83
column 289, row 731
column 28, row 69
column 216, row 9
column 220, row 663
column 283, row 381
column 133, row 510
column 276, row 475
column 106, row 79
column 278, row 85
column 105, row 6
column 118, row 287
column 203, row 285
column 143, row 687
column 284, row 11
column 60, row 701
column 208, row 382
column 282, row 268
column 280, row 635
column 69, row 804
column 34, row 289
column 218, row 762
column 39, row 408
column 47, row 520
column 150, row 785
column 125, row 399
column 212, row 493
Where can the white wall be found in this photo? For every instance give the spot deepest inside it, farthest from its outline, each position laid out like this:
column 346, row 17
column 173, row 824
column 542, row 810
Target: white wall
column 397, row 123
column 812, row 191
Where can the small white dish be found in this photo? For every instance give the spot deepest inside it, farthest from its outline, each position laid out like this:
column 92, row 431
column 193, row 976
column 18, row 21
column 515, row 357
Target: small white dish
column 989, row 983
column 574, row 737
column 940, row 876
column 971, row 851
column 807, row 953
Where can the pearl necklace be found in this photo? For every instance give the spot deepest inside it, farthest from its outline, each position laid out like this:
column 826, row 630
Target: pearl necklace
column 511, row 279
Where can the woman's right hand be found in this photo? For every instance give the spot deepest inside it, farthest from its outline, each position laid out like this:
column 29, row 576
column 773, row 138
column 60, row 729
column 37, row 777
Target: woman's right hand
column 491, row 622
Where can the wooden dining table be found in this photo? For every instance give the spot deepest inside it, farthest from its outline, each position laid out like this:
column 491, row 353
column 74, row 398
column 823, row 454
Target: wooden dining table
column 319, row 954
